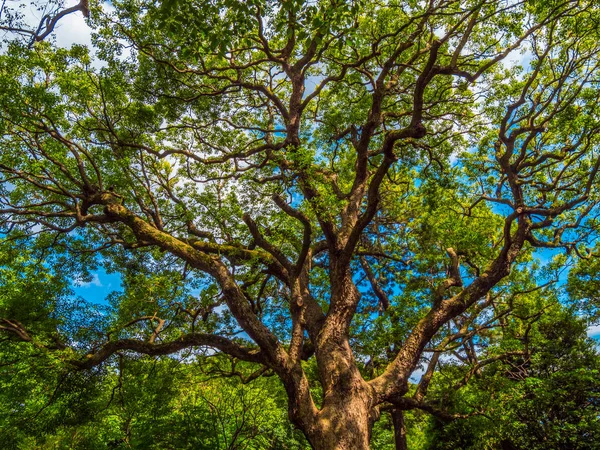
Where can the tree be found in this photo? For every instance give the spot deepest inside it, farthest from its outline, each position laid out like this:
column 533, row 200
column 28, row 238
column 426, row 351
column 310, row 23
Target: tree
column 548, row 397
column 14, row 17
column 348, row 185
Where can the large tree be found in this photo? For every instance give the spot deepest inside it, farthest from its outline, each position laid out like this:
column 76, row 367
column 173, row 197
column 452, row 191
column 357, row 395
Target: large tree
column 349, row 186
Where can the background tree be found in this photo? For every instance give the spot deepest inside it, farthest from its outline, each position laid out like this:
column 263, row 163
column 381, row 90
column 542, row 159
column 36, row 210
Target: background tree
column 547, row 397
column 274, row 157
column 36, row 21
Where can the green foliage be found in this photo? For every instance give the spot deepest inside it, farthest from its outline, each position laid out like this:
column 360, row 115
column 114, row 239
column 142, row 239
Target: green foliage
column 143, row 404
column 547, row 398
column 301, row 193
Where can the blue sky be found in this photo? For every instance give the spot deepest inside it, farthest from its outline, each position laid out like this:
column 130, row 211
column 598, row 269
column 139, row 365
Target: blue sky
column 99, row 287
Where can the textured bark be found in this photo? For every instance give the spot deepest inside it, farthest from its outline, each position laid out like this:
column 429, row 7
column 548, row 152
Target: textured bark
column 347, row 414
column 345, row 423
column 399, row 429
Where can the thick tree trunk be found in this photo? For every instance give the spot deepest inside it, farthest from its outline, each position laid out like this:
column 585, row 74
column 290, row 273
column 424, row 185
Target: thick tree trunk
column 343, row 425
column 347, row 413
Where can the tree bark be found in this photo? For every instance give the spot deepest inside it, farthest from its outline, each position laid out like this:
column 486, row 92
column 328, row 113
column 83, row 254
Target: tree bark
column 344, row 424
column 399, row 429
column 347, row 413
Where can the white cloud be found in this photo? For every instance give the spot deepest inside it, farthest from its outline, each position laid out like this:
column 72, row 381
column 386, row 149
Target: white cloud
column 593, row 331
column 415, row 377
column 70, row 29
column 73, row 29
column 95, row 281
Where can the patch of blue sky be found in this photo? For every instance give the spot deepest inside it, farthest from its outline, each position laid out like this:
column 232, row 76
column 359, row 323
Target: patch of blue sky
column 99, row 287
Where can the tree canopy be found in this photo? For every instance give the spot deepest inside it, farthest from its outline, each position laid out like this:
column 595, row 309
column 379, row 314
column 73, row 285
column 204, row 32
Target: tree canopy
column 331, row 194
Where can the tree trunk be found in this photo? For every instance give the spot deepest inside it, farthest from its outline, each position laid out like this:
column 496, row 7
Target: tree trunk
column 399, row 429
column 345, row 425
column 347, row 413
column 346, row 417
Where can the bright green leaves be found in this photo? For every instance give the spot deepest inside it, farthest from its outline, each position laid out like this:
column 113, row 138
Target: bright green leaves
column 36, row 388
column 150, row 404
column 547, row 398
column 30, row 293
column 394, row 121
column 208, row 26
